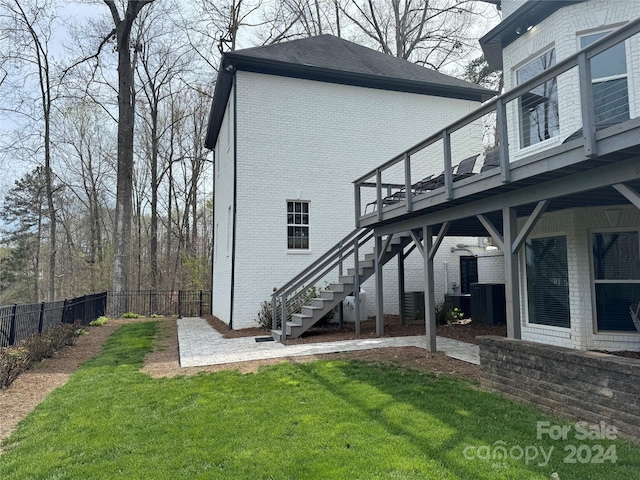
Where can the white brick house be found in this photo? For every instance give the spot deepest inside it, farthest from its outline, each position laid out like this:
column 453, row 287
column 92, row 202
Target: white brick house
column 594, row 275
column 292, row 125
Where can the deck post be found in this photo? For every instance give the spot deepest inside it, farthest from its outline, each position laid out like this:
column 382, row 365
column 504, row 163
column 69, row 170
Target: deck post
column 586, row 106
column 511, row 271
column 429, row 294
column 407, row 182
column 379, row 299
column 448, row 174
column 356, row 284
column 403, row 316
column 379, row 193
column 357, row 203
column 503, row 140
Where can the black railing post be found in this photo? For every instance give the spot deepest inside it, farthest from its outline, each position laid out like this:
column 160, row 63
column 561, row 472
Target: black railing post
column 150, row 305
column 179, row 303
column 12, row 326
column 41, row 320
column 64, row 310
column 200, row 314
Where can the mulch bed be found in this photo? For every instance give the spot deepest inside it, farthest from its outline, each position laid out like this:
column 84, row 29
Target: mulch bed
column 464, row 330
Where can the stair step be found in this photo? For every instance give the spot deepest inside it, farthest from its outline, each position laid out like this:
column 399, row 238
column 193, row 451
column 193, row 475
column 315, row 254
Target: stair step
column 346, row 279
column 320, row 302
column 361, row 271
column 326, row 295
column 310, row 310
column 300, row 318
column 370, row 256
column 277, row 335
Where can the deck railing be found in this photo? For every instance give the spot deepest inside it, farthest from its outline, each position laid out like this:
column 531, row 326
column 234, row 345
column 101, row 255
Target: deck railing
column 555, row 105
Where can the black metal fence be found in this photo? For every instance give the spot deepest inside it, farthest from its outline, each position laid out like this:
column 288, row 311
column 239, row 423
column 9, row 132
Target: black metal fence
column 182, row 303
column 19, row 322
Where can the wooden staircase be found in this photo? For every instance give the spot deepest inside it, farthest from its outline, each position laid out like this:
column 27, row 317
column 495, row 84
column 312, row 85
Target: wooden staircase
column 335, row 293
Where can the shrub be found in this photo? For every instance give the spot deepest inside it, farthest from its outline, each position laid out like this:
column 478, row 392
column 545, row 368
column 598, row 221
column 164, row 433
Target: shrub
column 130, row 315
column 66, row 334
column 13, row 361
column 98, row 322
column 39, row 346
column 17, row 359
column 265, row 314
column 446, row 315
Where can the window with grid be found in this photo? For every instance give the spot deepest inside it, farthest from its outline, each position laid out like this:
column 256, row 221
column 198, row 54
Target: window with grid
column 616, row 273
column 298, row 225
column 548, row 281
column 539, row 116
column 609, row 78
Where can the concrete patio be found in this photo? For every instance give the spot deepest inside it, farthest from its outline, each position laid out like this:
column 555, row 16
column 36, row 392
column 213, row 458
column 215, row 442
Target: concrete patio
column 200, row 345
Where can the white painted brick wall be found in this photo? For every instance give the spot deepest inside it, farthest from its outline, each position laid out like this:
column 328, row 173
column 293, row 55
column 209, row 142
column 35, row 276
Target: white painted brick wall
column 561, row 31
column 578, row 225
column 223, row 187
column 307, row 140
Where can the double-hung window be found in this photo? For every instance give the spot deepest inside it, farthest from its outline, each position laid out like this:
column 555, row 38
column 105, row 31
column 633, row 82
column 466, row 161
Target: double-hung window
column 298, row 225
column 548, row 281
column 609, row 78
column 616, row 272
column 538, row 108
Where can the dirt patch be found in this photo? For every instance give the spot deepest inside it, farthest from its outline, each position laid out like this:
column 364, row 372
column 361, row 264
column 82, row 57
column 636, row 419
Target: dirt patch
column 164, row 360
column 223, row 329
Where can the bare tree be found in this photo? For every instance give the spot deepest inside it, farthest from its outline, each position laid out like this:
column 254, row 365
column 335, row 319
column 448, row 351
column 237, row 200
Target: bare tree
column 288, row 19
column 161, row 64
column 428, row 32
column 28, row 27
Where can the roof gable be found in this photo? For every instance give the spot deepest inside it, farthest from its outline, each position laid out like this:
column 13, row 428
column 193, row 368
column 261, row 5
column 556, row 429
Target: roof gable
column 331, row 59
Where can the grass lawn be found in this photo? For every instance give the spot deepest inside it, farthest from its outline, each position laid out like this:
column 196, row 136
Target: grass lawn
column 318, row 420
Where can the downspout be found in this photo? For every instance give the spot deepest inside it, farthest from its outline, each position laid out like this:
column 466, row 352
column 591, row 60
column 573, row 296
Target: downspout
column 235, row 196
column 213, row 229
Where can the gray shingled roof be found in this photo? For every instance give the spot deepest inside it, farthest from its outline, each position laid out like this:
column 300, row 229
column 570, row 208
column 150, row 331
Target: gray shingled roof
column 334, row 53
column 328, row 58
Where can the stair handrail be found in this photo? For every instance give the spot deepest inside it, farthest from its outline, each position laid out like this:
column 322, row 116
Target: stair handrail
column 310, row 279
column 318, row 267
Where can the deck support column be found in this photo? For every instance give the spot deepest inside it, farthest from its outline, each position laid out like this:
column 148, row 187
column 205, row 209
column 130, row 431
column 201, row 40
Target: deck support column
column 511, row 270
column 379, row 287
column 429, row 293
column 403, row 316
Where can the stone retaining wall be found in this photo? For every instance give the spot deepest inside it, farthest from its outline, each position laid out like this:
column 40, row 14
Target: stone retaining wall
column 578, row 385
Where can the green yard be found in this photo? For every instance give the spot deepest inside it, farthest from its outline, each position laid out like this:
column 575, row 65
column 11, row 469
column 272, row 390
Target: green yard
column 319, row 420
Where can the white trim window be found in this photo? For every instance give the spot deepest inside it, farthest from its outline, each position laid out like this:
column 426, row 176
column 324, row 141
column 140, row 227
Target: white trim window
column 548, row 281
column 616, row 278
column 609, row 79
column 297, row 225
column 538, row 108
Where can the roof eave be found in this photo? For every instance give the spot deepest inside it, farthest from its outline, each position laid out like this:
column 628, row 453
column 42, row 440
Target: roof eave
column 323, row 74
column 221, row 94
